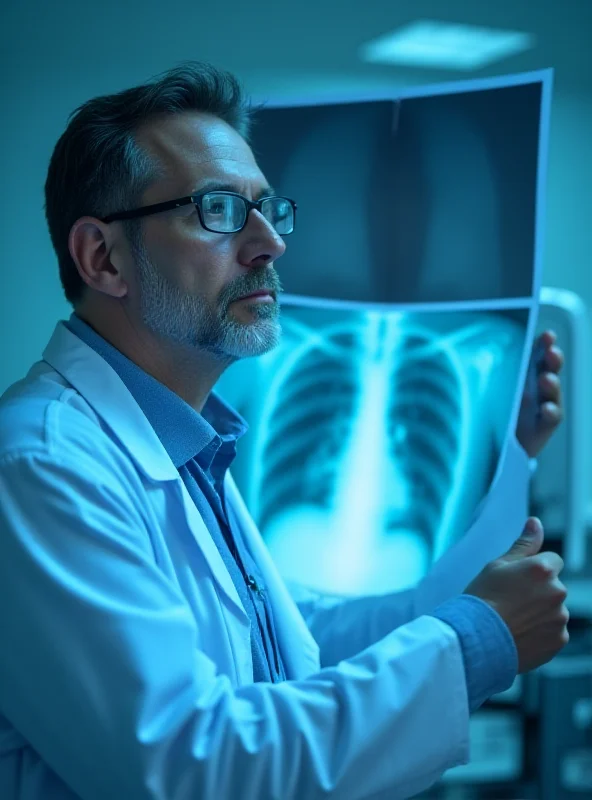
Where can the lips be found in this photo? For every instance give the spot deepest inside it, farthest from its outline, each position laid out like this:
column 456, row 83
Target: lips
column 259, row 293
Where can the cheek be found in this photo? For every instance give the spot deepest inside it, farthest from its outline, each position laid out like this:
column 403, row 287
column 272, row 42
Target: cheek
column 199, row 265
column 204, row 272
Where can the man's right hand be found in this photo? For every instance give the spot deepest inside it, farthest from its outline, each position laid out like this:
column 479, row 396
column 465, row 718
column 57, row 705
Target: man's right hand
column 524, row 588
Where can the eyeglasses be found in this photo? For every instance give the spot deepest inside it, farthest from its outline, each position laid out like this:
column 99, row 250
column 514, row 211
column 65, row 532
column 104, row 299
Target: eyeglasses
column 224, row 212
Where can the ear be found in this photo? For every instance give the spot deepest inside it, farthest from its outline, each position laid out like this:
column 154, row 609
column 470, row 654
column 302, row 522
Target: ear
column 92, row 245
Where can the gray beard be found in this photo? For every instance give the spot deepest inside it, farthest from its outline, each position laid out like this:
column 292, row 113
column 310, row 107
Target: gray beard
column 191, row 321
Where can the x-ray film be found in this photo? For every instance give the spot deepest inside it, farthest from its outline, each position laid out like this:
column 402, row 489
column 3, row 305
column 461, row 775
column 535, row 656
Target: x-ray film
column 382, row 420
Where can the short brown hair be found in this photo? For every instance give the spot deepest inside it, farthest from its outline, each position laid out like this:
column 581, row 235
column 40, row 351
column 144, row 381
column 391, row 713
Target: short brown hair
column 97, row 167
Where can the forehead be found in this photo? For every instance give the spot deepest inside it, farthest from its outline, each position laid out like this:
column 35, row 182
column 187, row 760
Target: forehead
column 195, row 147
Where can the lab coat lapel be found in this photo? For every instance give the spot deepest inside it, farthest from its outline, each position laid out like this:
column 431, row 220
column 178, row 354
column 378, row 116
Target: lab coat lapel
column 300, row 652
column 199, row 532
column 106, row 393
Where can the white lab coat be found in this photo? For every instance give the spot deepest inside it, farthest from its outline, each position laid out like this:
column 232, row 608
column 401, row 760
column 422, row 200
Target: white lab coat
column 126, row 666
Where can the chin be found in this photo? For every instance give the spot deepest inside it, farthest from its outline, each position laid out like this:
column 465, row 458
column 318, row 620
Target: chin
column 246, row 340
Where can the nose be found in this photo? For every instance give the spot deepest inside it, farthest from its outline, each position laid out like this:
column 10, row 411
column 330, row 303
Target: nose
column 260, row 244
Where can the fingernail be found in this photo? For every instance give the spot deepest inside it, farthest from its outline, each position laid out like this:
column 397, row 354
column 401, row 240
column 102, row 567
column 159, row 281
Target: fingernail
column 533, row 525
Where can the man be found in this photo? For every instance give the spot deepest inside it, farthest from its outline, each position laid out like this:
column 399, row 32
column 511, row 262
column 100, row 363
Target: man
column 150, row 649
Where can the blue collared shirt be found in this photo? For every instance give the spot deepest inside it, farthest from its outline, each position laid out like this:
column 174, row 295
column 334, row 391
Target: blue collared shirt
column 202, row 448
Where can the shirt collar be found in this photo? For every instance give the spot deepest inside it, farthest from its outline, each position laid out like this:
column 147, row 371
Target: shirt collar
column 184, row 433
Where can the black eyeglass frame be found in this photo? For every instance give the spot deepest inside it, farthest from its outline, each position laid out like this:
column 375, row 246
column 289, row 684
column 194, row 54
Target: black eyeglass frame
column 196, row 200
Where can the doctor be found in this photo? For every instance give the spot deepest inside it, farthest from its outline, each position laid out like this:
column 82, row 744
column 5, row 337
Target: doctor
column 149, row 647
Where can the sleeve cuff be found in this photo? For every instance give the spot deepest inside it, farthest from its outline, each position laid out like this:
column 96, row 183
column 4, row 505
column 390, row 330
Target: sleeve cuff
column 489, row 652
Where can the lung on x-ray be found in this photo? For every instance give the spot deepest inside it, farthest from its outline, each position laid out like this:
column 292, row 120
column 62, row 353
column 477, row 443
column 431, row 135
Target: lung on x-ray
column 379, row 423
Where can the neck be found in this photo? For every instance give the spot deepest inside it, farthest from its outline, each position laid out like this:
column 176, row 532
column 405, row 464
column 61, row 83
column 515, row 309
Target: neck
column 190, row 373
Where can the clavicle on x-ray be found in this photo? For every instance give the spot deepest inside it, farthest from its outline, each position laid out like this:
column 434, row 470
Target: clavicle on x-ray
column 381, row 422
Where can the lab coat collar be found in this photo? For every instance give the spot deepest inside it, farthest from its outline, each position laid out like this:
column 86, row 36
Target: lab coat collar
column 106, row 393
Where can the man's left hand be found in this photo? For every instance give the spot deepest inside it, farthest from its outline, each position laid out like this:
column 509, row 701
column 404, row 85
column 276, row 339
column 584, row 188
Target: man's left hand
column 541, row 415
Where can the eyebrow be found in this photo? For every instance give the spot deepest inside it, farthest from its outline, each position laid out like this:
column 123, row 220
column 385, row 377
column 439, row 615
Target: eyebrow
column 217, row 186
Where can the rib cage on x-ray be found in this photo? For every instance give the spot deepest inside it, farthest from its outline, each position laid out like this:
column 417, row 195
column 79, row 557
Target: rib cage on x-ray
column 373, row 409
column 309, row 426
column 425, row 415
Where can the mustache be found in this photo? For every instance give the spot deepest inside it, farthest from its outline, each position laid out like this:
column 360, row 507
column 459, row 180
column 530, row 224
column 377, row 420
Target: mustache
column 266, row 278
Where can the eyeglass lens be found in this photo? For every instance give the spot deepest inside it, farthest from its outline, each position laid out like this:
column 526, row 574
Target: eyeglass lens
column 226, row 213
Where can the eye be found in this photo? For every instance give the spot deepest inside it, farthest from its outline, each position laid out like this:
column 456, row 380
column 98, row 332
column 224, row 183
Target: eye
column 282, row 210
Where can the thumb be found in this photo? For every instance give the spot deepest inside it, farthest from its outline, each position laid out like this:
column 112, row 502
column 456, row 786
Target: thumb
column 529, row 543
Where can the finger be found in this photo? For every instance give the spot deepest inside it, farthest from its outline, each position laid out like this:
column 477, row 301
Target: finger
column 553, row 359
column 551, row 562
column 547, row 339
column 550, row 415
column 549, row 388
column 529, row 543
column 559, row 590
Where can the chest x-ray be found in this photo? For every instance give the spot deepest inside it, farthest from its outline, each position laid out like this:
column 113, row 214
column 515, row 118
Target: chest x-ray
column 379, row 423
column 374, row 435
